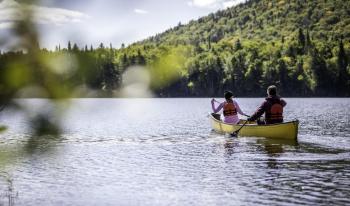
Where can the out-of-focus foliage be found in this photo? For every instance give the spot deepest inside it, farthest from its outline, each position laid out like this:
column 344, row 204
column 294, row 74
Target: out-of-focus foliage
column 28, row 71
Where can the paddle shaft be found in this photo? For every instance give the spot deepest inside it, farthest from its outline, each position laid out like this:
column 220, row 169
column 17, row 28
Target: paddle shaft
column 2, row 107
column 235, row 133
column 216, row 101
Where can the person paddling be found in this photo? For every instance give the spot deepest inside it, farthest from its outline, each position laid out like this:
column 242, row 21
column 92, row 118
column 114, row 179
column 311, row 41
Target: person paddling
column 272, row 107
column 230, row 108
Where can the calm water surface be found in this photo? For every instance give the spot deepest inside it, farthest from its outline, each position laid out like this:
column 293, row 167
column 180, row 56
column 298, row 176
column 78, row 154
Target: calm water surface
column 163, row 152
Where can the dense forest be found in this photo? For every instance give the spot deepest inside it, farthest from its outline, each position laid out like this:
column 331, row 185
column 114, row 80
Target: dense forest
column 301, row 46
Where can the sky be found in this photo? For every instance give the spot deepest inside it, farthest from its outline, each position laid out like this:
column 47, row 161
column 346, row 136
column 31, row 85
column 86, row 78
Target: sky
column 87, row 22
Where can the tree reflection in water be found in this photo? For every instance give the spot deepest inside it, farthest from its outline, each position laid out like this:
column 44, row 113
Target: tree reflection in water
column 7, row 193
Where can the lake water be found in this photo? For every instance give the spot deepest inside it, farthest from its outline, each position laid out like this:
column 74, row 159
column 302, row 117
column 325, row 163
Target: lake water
column 163, row 152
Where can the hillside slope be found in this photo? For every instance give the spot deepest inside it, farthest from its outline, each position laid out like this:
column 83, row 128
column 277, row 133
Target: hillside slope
column 302, row 46
column 267, row 20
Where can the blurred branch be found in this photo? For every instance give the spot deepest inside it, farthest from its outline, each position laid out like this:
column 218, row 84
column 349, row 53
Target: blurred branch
column 29, row 70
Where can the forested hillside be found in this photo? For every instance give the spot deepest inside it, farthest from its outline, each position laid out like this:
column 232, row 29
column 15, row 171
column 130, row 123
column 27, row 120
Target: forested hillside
column 301, row 46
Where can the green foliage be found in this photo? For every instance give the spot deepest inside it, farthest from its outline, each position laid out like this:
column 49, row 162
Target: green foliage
column 301, row 46
column 291, row 43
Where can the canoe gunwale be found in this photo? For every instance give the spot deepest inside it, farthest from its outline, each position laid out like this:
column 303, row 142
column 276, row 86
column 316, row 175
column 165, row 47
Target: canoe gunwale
column 250, row 125
column 284, row 130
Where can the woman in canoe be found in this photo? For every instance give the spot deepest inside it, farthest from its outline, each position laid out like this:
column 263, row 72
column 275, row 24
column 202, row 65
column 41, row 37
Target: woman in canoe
column 230, row 108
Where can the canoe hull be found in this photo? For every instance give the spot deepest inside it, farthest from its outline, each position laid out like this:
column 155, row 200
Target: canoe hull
column 286, row 130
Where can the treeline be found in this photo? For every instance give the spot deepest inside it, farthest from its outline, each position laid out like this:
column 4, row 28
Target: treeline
column 300, row 66
column 301, row 46
column 88, row 67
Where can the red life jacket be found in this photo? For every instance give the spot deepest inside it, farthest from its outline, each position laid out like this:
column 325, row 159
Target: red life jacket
column 229, row 109
column 274, row 113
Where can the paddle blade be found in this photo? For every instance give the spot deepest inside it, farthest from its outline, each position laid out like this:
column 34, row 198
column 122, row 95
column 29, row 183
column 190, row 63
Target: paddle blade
column 234, row 134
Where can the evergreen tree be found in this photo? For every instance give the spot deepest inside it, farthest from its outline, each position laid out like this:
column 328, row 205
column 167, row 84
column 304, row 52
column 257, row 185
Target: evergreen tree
column 253, row 78
column 308, row 42
column 283, row 76
column 301, row 41
column 101, row 46
column 238, row 71
column 320, row 73
column 140, row 59
column 124, row 62
column 110, row 77
column 343, row 75
column 69, row 46
column 75, row 48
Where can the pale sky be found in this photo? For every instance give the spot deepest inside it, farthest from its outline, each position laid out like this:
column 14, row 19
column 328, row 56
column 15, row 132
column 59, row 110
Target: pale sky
column 107, row 21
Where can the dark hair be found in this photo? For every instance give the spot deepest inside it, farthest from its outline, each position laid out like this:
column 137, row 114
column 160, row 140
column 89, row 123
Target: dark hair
column 228, row 95
column 272, row 90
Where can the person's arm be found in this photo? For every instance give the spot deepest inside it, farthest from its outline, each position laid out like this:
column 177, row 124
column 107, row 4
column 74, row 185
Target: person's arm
column 258, row 112
column 239, row 109
column 284, row 103
column 215, row 110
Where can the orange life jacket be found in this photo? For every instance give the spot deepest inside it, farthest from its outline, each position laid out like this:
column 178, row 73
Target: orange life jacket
column 229, row 109
column 274, row 113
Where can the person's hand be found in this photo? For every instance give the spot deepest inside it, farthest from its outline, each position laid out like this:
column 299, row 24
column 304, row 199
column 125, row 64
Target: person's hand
column 212, row 100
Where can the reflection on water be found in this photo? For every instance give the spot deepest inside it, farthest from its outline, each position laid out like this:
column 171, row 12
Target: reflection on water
column 274, row 149
column 162, row 152
column 7, row 193
column 40, row 144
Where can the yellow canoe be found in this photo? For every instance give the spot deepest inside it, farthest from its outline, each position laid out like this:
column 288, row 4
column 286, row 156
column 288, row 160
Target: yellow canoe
column 285, row 130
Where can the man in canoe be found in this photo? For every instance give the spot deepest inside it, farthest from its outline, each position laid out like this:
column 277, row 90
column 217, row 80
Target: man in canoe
column 230, row 108
column 272, row 107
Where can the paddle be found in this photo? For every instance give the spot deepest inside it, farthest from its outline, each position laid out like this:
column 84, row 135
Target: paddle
column 2, row 107
column 235, row 133
column 220, row 103
column 217, row 101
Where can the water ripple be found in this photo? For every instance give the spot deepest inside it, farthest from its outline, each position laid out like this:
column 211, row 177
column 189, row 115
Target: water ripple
column 111, row 154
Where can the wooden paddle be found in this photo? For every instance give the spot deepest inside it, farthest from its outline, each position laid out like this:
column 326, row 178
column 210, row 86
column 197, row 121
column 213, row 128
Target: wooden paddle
column 217, row 101
column 235, row 133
